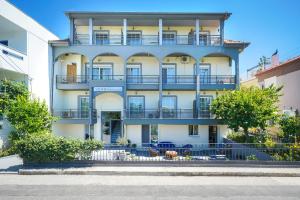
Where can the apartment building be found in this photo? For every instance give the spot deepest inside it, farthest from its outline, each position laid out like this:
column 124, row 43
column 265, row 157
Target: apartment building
column 147, row 77
column 284, row 74
column 24, row 52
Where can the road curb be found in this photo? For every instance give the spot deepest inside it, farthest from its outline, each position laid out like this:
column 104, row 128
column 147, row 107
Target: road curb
column 157, row 173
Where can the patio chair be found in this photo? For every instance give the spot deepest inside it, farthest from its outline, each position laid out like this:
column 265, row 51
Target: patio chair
column 153, row 152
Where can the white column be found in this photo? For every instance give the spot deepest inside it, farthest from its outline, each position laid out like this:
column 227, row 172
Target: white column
column 124, row 31
column 197, row 88
column 222, row 31
column 160, row 24
column 72, row 30
column 197, row 32
column 237, row 72
column 91, row 31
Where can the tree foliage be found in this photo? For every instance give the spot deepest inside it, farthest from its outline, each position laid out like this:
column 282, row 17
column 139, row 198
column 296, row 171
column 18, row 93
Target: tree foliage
column 25, row 115
column 9, row 91
column 290, row 127
column 247, row 108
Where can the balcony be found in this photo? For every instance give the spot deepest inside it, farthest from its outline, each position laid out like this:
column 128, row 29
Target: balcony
column 107, row 81
column 13, row 60
column 218, row 82
column 145, row 82
column 65, row 82
column 148, row 40
column 179, row 82
column 175, row 116
column 74, row 116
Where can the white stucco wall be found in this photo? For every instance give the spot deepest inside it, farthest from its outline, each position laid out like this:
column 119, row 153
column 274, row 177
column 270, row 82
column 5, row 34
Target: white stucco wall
column 178, row 134
column 75, row 131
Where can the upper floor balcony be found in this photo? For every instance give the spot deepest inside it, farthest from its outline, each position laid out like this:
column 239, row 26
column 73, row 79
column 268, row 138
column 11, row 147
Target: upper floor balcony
column 139, row 29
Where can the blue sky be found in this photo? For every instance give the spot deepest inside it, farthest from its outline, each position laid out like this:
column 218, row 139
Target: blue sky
column 267, row 24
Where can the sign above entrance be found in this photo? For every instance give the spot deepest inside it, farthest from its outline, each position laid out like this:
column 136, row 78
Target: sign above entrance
column 108, row 89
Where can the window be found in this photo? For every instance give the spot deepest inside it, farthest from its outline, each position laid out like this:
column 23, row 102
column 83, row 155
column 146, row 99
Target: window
column 193, row 130
column 169, row 105
column 169, row 37
column 205, row 102
column 136, row 106
column 204, row 38
column 84, row 106
column 101, row 71
column 133, row 73
column 169, row 73
column 204, row 72
column 101, row 37
column 134, row 37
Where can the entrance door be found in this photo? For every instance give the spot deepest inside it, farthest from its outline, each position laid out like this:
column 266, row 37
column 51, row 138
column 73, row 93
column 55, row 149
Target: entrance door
column 145, row 134
column 169, row 73
column 213, row 135
column 71, row 73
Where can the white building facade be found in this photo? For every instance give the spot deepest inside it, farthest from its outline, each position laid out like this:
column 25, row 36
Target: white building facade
column 24, row 53
column 147, row 77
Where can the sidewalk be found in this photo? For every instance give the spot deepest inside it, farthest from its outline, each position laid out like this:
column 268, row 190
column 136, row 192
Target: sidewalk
column 167, row 171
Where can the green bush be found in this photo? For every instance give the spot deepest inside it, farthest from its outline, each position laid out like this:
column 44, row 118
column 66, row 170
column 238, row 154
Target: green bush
column 238, row 137
column 251, row 157
column 42, row 148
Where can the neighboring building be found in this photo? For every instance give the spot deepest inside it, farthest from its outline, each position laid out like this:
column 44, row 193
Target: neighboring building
column 284, row 74
column 145, row 76
column 24, row 52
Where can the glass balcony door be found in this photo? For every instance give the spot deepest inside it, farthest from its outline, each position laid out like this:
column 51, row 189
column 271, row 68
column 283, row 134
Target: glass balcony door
column 101, row 37
column 169, row 73
column 136, row 106
column 169, row 106
column 134, row 37
column 205, row 102
column 84, row 106
column 102, row 72
column 133, row 73
column 204, row 72
column 169, row 37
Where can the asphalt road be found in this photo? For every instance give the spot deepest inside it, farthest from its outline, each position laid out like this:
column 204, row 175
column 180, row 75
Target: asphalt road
column 150, row 187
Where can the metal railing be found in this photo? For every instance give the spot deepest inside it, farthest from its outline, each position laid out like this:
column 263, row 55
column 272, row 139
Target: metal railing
column 142, row 114
column 73, row 114
column 168, row 114
column 180, row 79
column 65, row 79
column 142, row 79
column 81, row 39
column 109, row 40
column 218, row 79
column 178, row 114
column 168, row 151
column 108, row 77
column 150, row 79
column 204, row 40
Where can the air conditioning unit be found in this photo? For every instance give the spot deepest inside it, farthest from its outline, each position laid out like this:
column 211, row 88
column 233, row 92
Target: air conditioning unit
column 185, row 59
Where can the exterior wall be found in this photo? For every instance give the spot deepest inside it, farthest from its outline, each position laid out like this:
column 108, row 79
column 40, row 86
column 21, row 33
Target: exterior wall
column 291, row 95
column 185, row 99
column 76, row 131
column 178, row 134
column 250, row 82
column 134, row 133
column 150, row 65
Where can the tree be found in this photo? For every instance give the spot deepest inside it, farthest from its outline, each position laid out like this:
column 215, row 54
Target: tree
column 9, row 91
column 247, row 108
column 290, row 127
column 29, row 116
column 25, row 115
